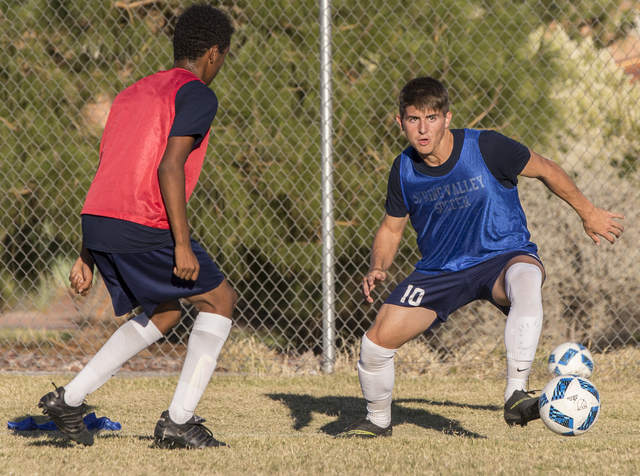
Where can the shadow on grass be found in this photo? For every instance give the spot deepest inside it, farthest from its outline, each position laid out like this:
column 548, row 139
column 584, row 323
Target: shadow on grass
column 350, row 409
column 105, row 435
column 58, row 440
column 55, row 440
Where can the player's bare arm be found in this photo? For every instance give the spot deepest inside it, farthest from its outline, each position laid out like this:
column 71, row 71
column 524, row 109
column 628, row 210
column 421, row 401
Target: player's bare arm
column 81, row 275
column 172, row 186
column 384, row 249
column 596, row 221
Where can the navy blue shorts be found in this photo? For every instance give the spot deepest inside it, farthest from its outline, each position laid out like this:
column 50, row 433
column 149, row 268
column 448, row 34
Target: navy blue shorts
column 146, row 278
column 445, row 293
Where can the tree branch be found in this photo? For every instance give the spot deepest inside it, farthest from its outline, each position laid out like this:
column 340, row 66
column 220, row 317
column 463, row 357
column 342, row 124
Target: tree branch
column 488, row 109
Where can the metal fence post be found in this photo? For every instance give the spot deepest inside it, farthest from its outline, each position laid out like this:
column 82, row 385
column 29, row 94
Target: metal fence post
column 328, row 291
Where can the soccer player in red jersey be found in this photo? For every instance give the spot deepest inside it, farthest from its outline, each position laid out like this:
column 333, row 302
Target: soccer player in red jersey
column 135, row 230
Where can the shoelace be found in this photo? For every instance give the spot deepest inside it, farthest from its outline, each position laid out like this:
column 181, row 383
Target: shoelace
column 199, row 427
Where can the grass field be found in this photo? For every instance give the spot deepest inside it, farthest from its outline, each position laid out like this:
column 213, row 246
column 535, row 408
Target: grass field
column 450, row 424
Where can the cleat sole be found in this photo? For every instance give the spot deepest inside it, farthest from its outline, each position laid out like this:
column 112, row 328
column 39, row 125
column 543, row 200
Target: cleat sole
column 84, row 438
column 190, row 435
column 165, row 444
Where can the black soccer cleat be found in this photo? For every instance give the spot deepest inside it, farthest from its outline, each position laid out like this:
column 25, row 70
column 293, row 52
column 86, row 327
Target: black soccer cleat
column 365, row 429
column 68, row 419
column 521, row 408
column 191, row 435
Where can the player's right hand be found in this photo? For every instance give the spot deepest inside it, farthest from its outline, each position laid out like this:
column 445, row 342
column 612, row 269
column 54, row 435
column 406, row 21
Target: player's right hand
column 187, row 266
column 372, row 278
column 81, row 276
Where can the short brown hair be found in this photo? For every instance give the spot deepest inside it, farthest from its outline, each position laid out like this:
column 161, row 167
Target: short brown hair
column 424, row 93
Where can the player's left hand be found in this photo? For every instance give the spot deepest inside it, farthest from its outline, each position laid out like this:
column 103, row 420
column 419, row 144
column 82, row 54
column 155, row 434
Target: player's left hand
column 81, row 275
column 600, row 223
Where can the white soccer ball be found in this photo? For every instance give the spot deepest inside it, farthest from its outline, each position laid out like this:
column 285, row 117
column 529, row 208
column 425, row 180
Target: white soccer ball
column 569, row 405
column 571, row 358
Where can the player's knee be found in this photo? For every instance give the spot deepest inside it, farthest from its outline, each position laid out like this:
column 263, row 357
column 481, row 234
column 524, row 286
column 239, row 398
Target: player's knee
column 166, row 316
column 232, row 300
column 173, row 319
column 230, row 296
column 373, row 356
column 522, row 281
column 221, row 300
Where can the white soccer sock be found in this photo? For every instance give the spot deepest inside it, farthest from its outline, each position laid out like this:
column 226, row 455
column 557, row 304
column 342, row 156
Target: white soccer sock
column 131, row 338
column 377, row 376
column 210, row 331
column 523, row 282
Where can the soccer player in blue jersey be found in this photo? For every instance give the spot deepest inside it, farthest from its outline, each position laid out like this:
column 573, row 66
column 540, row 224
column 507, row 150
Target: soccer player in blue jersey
column 135, row 231
column 458, row 189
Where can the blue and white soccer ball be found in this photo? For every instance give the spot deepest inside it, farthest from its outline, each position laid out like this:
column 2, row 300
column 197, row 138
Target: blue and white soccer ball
column 569, row 405
column 571, row 358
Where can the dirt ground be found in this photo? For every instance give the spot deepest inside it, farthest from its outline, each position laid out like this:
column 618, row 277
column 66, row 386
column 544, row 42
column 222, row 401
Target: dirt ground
column 80, row 316
column 63, row 314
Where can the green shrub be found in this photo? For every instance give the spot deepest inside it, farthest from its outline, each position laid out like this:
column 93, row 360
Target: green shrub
column 258, row 206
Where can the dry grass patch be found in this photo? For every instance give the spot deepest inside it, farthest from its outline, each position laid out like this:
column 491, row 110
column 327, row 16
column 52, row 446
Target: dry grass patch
column 444, row 423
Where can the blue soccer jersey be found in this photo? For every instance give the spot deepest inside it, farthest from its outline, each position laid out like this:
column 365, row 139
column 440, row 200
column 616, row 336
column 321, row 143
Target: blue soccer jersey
column 464, row 217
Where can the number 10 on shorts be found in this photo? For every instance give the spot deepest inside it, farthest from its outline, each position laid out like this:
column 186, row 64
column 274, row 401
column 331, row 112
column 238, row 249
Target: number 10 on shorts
column 414, row 297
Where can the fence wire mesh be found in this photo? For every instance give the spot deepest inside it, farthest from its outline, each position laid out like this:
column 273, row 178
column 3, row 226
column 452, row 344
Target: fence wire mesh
column 557, row 75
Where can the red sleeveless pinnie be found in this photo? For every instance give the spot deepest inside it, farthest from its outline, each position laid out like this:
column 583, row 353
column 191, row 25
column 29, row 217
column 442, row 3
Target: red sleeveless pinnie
column 135, row 137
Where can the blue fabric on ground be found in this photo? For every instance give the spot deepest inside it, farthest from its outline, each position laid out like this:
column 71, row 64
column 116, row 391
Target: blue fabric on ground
column 92, row 422
column 102, row 423
column 30, row 424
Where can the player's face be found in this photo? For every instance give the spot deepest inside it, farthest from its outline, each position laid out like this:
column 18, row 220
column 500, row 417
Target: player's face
column 425, row 130
column 214, row 64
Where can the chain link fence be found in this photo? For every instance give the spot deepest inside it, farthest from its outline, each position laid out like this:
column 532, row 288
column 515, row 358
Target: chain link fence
column 557, row 75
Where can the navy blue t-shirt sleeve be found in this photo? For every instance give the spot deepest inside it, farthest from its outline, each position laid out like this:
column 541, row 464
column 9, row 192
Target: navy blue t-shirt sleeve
column 394, row 205
column 196, row 107
column 505, row 157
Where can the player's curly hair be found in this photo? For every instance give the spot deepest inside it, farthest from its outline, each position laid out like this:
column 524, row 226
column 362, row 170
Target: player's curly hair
column 424, row 93
column 198, row 29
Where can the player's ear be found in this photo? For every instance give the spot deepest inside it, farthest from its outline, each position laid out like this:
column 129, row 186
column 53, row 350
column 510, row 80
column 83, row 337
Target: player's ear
column 399, row 121
column 448, row 117
column 213, row 53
